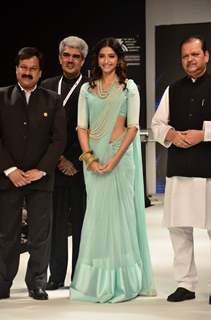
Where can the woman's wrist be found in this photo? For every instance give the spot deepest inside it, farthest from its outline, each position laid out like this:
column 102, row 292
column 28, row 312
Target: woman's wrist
column 88, row 157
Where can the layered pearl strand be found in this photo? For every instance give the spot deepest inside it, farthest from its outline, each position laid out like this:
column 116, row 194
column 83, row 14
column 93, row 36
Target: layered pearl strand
column 104, row 93
column 102, row 123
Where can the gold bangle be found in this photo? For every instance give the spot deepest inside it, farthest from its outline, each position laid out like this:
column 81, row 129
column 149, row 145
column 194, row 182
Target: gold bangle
column 82, row 156
column 87, row 156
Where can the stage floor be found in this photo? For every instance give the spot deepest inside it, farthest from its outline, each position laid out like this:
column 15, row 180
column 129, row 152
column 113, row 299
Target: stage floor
column 60, row 307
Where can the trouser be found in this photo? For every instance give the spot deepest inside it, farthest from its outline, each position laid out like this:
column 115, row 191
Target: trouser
column 184, row 262
column 39, row 208
column 67, row 201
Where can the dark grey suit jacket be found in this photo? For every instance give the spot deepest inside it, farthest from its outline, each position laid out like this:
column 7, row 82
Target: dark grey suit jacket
column 72, row 150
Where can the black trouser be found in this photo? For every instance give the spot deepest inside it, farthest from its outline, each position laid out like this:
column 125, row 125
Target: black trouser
column 67, row 200
column 39, row 209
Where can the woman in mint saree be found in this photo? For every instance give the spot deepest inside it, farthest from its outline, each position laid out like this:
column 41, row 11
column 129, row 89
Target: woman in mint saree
column 114, row 262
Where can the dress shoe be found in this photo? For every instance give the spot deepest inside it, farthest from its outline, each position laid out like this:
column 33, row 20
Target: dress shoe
column 181, row 294
column 4, row 295
column 53, row 285
column 38, row 294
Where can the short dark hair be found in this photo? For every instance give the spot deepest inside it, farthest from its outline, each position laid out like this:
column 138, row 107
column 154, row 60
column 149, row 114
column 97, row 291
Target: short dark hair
column 27, row 53
column 194, row 37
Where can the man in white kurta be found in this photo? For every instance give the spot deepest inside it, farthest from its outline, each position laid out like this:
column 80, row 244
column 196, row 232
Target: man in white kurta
column 187, row 201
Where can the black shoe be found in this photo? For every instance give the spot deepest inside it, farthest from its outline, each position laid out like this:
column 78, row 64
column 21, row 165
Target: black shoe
column 181, row 294
column 4, row 295
column 38, row 294
column 53, row 285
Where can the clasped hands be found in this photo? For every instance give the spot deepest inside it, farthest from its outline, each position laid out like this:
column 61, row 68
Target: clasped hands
column 66, row 166
column 188, row 138
column 20, row 178
column 103, row 168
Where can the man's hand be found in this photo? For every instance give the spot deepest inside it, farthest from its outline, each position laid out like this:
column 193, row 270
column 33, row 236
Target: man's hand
column 19, row 178
column 185, row 139
column 66, row 167
column 180, row 141
column 34, row 174
column 193, row 137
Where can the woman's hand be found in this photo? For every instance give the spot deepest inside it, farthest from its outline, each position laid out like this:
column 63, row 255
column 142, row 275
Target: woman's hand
column 109, row 165
column 95, row 167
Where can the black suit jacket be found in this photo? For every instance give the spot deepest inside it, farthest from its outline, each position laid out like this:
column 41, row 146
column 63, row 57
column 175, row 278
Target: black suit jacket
column 31, row 135
column 73, row 149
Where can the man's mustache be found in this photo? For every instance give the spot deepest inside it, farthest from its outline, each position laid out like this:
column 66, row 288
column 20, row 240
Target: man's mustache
column 29, row 76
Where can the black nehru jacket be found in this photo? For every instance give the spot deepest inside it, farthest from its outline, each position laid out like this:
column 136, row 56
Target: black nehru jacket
column 189, row 106
column 32, row 135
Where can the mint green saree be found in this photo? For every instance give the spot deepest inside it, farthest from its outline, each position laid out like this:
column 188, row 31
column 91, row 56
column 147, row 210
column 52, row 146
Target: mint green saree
column 114, row 262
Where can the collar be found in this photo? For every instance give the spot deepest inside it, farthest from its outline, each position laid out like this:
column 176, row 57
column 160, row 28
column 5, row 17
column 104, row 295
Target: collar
column 203, row 76
column 27, row 91
column 70, row 81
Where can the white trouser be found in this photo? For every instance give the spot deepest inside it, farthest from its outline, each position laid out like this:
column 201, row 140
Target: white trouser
column 184, row 263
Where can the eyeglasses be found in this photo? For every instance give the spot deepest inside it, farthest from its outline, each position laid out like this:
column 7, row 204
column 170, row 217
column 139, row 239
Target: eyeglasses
column 30, row 69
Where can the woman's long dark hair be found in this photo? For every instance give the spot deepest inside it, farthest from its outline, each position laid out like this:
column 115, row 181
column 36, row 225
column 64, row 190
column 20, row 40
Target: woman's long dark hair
column 96, row 72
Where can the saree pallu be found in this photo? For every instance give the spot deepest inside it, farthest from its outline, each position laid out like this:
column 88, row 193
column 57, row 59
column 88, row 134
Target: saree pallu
column 114, row 262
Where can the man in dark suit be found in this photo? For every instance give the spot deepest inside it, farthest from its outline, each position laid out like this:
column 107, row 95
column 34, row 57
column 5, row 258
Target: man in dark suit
column 69, row 190
column 32, row 138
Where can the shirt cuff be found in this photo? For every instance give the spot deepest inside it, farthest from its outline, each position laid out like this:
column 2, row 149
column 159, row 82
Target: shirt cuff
column 207, row 130
column 8, row 171
column 164, row 132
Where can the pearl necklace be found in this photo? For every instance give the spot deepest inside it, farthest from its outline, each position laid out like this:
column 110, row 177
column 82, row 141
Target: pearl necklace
column 104, row 93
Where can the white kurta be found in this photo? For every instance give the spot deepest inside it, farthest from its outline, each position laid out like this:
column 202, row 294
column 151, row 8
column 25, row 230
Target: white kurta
column 187, row 201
